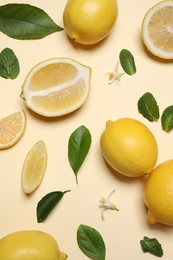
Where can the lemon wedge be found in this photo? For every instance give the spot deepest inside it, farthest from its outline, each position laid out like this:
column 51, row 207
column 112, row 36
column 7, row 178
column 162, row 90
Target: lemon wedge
column 157, row 30
column 12, row 128
column 56, row 87
column 34, row 167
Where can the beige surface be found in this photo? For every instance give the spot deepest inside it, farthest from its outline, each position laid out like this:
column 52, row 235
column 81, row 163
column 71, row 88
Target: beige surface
column 121, row 230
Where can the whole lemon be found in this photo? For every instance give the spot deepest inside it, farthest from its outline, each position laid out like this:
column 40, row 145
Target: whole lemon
column 89, row 21
column 158, row 194
column 30, row 245
column 129, row 147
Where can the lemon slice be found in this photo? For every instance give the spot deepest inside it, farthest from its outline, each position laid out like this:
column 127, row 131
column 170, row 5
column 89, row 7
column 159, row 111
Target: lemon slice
column 34, row 167
column 12, row 129
column 157, row 30
column 56, row 87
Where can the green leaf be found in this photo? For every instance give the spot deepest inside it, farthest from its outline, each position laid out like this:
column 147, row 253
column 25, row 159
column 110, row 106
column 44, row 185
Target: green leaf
column 167, row 119
column 148, row 107
column 127, row 61
column 151, row 245
column 9, row 64
column 78, row 147
column 24, row 21
column 47, row 203
column 91, row 242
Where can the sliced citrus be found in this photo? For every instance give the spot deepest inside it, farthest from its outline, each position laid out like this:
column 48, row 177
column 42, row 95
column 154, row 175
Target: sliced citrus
column 157, row 30
column 12, row 128
column 56, row 87
column 34, row 167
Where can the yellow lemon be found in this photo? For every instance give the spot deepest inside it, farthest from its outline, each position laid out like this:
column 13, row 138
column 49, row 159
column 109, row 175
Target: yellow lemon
column 157, row 29
column 56, row 86
column 158, row 194
column 12, row 128
column 89, row 21
column 129, row 147
column 30, row 245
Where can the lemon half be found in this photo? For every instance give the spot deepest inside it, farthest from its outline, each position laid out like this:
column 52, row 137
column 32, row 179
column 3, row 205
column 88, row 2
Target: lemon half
column 157, row 30
column 56, row 87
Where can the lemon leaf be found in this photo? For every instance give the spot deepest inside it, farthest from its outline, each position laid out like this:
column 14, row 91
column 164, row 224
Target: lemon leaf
column 148, row 107
column 47, row 203
column 127, row 61
column 152, row 246
column 24, row 21
column 167, row 119
column 78, row 147
column 91, row 242
column 9, row 64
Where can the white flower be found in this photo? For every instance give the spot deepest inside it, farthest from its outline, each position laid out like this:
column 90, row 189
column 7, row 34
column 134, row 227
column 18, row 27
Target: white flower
column 114, row 75
column 105, row 204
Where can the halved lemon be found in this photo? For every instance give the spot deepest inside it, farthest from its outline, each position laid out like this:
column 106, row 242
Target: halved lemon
column 157, row 30
column 12, row 128
column 34, row 167
column 56, row 87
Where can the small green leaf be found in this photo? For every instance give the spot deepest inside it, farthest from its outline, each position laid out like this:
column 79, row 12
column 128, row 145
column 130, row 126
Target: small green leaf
column 78, row 147
column 47, row 203
column 9, row 64
column 167, row 119
column 91, row 242
column 127, row 61
column 24, row 21
column 148, row 107
column 151, row 245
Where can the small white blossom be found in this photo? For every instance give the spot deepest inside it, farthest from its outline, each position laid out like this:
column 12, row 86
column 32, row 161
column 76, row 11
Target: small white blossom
column 112, row 76
column 105, row 204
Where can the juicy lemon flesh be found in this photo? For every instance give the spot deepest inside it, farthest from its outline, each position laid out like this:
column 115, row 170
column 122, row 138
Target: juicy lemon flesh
column 129, row 147
column 61, row 100
column 52, row 75
column 83, row 19
column 160, row 29
column 158, row 194
column 30, row 245
column 34, row 167
column 56, row 87
column 12, row 129
column 157, row 30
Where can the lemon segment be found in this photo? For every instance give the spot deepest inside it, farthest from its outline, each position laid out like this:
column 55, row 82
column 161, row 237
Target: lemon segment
column 129, row 147
column 12, row 129
column 34, row 167
column 56, row 87
column 157, row 30
column 158, row 194
column 30, row 245
column 89, row 21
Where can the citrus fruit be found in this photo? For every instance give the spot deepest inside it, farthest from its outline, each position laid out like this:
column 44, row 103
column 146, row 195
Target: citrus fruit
column 34, row 167
column 158, row 194
column 157, row 30
column 30, row 245
column 56, row 87
column 89, row 21
column 129, row 147
column 12, row 128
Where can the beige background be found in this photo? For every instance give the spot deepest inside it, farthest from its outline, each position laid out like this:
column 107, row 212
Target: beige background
column 121, row 230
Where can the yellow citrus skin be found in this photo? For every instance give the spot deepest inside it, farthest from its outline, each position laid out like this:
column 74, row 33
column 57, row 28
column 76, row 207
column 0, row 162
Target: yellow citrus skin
column 89, row 21
column 158, row 194
column 30, row 245
column 129, row 147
